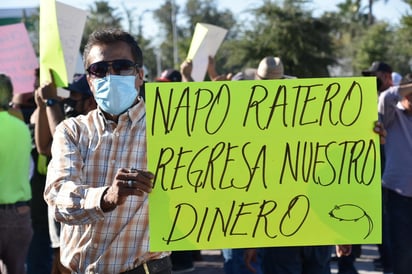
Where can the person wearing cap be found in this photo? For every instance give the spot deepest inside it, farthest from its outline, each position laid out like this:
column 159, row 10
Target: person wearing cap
column 383, row 73
column 81, row 99
column 51, row 110
column 169, row 75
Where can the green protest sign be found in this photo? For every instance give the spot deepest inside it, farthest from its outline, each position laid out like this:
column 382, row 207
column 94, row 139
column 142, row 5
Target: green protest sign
column 51, row 53
column 263, row 163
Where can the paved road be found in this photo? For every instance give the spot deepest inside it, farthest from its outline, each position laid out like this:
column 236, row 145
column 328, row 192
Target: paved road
column 212, row 262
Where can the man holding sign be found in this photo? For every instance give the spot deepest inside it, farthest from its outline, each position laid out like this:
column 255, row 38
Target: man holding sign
column 97, row 179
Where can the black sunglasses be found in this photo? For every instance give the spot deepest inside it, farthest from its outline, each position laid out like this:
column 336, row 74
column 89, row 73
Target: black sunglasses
column 119, row 67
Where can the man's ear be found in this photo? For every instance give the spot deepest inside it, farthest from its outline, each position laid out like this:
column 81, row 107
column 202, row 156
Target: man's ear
column 139, row 76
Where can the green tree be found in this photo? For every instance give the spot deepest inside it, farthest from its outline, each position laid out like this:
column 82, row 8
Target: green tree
column 288, row 31
column 348, row 25
column 402, row 49
column 375, row 45
column 102, row 15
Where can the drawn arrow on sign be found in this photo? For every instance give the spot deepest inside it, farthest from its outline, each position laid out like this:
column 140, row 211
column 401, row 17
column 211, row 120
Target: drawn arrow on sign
column 351, row 213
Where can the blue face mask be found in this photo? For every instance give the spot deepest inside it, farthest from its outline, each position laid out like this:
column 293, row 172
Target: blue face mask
column 115, row 93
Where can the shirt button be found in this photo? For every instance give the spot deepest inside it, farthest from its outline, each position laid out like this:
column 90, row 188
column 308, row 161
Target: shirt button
column 95, row 246
column 113, row 162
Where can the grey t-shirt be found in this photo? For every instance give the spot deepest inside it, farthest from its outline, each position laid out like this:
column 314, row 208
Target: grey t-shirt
column 397, row 174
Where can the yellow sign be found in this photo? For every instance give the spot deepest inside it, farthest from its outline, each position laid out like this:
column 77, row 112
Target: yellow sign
column 51, row 52
column 263, row 163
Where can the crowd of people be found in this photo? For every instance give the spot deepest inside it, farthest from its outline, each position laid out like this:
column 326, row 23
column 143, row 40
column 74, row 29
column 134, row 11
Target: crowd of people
column 75, row 190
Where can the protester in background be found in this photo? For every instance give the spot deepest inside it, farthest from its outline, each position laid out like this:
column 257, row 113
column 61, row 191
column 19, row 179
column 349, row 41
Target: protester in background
column 51, row 110
column 395, row 112
column 15, row 220
column 40, row 254
column 169, row 75
column 383, row 73
column 97, row 179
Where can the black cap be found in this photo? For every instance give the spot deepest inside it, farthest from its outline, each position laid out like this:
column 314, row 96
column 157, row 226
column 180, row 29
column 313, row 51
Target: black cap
column 170, row 75
column 80, row 85
column 375, row 67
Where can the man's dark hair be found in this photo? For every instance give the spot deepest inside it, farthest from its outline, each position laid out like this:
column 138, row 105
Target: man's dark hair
column 110, row 36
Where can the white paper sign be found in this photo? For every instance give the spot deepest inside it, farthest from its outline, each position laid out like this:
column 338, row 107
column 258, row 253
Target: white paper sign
column 71, row 23
column 205, row 42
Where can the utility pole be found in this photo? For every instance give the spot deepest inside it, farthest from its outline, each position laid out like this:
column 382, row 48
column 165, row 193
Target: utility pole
column 140, row 28
column 174, row 34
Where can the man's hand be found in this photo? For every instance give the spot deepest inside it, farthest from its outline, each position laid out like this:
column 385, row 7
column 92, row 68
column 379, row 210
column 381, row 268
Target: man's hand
column 343, row 250
column 47, row 90
column 211, row 70
column 379, row 129
column 127, row 182
column 186, row 70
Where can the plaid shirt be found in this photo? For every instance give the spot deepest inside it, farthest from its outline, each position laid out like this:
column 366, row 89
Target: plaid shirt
column 87, row 151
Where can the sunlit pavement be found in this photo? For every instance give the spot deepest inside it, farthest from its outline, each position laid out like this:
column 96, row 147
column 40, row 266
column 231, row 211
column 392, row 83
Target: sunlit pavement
column 212, row 262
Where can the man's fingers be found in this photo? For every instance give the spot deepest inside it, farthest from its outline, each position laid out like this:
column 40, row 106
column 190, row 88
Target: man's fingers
column 131, row 181
column 136, row 175
column 51, row 76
